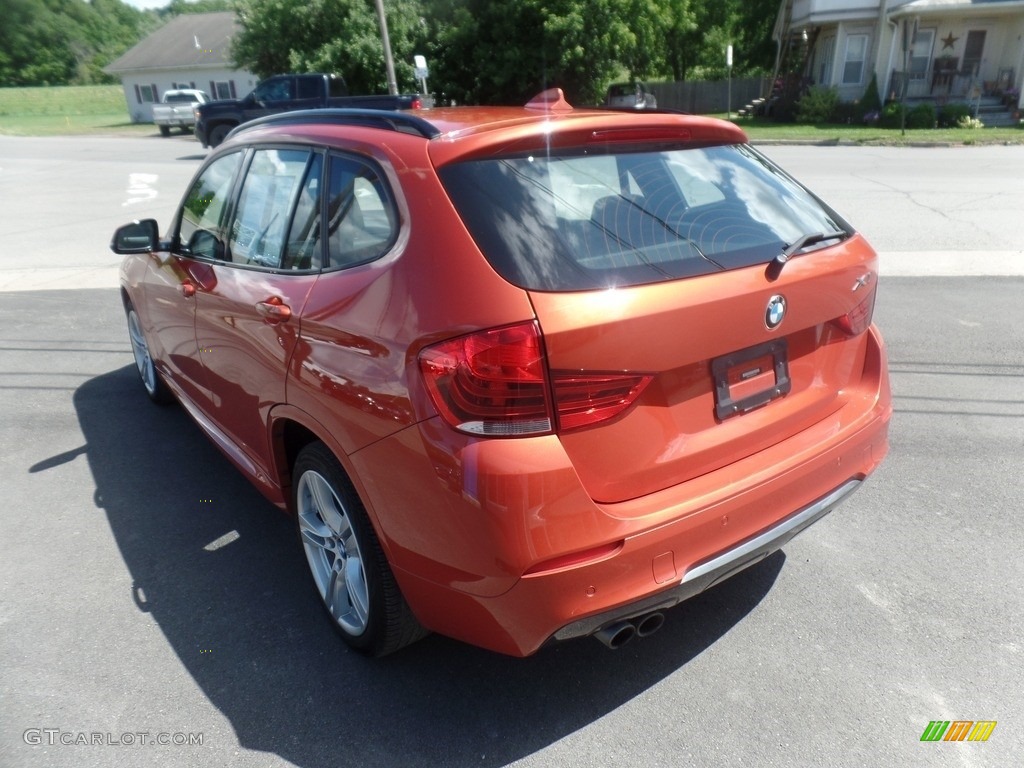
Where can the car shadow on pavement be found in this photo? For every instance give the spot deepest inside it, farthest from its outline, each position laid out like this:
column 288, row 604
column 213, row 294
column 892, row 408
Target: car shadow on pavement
column 220, row 571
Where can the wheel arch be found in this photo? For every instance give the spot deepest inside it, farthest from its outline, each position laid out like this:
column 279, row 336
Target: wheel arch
column 291, row 430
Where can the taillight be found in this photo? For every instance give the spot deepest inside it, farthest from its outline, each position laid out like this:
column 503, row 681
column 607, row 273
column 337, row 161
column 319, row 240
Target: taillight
column 584, row 399
column 492, row 382
column 496, row 383
column 857, row 320
column 417, row 103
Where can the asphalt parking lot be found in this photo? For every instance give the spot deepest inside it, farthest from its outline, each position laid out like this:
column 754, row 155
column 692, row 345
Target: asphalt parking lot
column 148, row 593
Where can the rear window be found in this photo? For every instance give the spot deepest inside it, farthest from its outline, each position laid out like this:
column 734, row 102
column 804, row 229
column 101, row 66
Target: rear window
column 592, row 220
column 180, row 98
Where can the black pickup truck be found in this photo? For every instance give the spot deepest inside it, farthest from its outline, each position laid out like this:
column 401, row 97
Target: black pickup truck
column 285, row 93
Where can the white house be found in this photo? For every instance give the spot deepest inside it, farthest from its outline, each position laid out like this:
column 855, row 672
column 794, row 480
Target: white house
column 189, row 51
column 938, row 49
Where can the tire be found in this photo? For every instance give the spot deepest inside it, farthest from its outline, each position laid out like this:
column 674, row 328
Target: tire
column 165, row 130
column 218, row 134
column 347, row 564
column 155, row 388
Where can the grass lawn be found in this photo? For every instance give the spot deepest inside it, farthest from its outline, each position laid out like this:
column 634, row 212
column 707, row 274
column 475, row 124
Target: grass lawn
column 759, row 129
column 67, row 110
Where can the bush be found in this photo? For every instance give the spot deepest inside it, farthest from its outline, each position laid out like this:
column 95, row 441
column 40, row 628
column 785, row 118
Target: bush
column 870, row 102
column 921, row 116
column 817, row 105
column 951, row 115
column 890, row 117
column 847, row 113
column 784, row 110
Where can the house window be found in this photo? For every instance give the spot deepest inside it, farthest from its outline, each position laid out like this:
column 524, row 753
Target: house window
column 146, row 93
column 921, row 53
column 222, row 89
column 856, row 53
column 826, row 52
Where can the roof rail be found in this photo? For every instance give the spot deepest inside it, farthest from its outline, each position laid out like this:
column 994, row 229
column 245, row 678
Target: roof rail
column 370, row 118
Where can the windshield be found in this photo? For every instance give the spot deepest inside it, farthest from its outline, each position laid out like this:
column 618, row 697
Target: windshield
column 589, row 220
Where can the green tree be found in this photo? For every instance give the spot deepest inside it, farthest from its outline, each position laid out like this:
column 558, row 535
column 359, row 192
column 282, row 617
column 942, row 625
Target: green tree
column 58, row 42
column 655, row 24
column 340, row 36
column 505, row 51
column 697, row 50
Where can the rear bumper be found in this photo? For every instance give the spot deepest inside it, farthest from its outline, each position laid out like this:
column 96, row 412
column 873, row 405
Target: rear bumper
column 718, row 568
column 511, row 553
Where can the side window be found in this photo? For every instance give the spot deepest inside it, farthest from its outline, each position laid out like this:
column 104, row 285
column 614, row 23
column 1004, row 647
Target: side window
column 275, row 89
column 304, row 247
column 268, row 193
column 308, row 88
column 202, row 219
column 361, row 218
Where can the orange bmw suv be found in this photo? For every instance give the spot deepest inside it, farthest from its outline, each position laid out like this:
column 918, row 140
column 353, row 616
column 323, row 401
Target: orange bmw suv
column 521, row 375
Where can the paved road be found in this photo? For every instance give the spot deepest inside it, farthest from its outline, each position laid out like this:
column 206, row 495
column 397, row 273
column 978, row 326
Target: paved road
column 929, row 211
column 146, row 589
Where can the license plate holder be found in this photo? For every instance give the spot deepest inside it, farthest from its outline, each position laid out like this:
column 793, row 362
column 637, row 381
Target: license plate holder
column 750, row 378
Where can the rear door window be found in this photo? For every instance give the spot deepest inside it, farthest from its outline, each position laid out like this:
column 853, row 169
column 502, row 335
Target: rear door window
column 591, row 219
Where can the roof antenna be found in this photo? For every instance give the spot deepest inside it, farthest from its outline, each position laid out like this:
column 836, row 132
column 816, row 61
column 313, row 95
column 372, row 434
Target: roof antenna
column 551, row 100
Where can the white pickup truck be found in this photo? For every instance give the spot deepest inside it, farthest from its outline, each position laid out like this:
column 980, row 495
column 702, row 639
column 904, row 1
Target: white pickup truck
column 175, row 110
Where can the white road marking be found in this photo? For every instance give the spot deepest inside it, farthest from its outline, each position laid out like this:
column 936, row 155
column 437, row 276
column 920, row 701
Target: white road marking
column 141, row 188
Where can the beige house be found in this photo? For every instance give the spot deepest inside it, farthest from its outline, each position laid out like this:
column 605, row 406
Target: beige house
column 934, row 49
column 189, row 51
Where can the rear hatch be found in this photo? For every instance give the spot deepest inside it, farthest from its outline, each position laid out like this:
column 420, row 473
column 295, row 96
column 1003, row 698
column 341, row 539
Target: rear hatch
column 717, row 304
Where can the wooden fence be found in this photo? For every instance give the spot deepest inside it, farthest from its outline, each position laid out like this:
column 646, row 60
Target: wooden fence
column 701, row 97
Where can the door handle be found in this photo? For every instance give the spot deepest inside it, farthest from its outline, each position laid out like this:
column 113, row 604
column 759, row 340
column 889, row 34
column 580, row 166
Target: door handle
column 187, row 289
column 274, row 310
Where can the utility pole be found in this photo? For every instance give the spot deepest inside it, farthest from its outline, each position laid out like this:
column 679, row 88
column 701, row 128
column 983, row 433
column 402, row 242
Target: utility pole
column 728, row 63
column 389, row 62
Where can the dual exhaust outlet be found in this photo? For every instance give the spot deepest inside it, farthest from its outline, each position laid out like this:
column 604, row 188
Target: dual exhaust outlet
column 619, row 633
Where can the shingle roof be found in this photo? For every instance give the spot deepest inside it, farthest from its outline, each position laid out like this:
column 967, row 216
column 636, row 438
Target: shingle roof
column 191, row 41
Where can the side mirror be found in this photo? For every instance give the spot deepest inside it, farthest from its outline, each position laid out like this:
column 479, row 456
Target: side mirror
column 137, row 237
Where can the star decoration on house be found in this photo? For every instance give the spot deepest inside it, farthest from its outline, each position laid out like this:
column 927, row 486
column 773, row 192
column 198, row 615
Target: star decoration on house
column 948, row 41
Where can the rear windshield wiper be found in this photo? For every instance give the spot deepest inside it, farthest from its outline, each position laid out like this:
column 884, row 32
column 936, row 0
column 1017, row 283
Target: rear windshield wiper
column 800, row 244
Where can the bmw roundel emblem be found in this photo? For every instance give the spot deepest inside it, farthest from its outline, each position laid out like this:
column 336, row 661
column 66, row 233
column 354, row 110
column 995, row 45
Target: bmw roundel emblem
column 775, row 312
